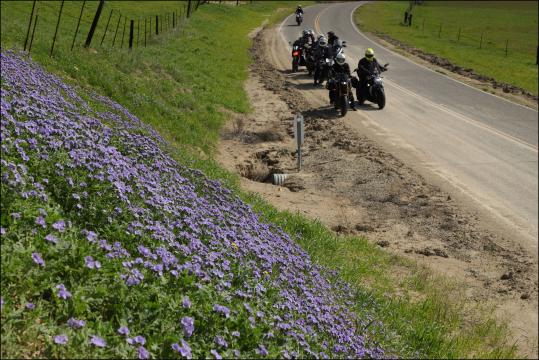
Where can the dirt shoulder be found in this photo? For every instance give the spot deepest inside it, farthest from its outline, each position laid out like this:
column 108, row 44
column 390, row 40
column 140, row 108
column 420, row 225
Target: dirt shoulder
column 353, row 186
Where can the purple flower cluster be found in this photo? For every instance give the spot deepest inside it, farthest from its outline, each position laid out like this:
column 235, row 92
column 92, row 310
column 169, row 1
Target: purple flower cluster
column 196, row 226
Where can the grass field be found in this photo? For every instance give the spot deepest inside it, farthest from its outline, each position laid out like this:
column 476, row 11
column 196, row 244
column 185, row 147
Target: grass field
column 499, row 23
column 181, row 85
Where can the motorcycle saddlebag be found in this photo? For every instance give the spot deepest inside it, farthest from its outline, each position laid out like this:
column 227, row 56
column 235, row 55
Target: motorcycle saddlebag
column 355, row 82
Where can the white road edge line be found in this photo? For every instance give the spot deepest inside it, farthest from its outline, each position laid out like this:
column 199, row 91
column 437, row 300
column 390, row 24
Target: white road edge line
column 424, row 67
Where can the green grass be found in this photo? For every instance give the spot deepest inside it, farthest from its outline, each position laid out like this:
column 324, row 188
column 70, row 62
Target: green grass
column 181, row 84
column 498, row 21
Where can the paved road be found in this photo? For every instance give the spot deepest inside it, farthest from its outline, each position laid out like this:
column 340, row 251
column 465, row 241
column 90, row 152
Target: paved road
column 482, row 145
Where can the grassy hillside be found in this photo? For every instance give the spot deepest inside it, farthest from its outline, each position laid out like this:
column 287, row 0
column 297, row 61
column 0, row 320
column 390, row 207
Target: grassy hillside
column 497, row 21
column 182, row 84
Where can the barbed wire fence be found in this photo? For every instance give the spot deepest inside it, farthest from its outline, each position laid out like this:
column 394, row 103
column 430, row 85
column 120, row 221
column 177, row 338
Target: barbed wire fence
column 107, row 27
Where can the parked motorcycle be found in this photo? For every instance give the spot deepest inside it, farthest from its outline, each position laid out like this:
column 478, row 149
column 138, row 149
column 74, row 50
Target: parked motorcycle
column 339, row 90
column 373, row 91
column 299, row 19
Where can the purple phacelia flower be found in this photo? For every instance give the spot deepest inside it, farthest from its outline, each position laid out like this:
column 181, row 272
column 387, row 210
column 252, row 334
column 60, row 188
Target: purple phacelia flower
column 91, row 263
column 59, row 226
column 51, row 238
column 30, row 306
column 186, row 303
column 2, row 231
column 60, row 339
column 38, row 259
column 76, row 323
column 262, row 350
column 62, row 292
column 142, row 353
column 184, row 350
column 40, row 220
column 236, row 333
column 222, row 310
column 137, row 340
column 123, row 330
column 188, row 324
column 220, row 341
column 97, row 341
column 215, row 354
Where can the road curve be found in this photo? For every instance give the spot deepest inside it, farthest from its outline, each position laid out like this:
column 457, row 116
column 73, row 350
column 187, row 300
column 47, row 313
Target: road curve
column 480, row 144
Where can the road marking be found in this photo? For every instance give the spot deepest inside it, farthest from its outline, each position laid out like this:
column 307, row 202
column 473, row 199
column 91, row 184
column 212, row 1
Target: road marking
column 465, row 118
column 424, row 67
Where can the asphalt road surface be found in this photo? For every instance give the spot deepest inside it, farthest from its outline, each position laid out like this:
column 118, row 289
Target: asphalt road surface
column 480, row 144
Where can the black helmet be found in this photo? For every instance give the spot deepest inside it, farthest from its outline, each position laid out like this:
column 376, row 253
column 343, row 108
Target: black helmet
column 331, row 34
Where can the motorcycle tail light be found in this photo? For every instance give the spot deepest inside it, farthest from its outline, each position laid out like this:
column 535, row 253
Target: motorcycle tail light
column 295, row 53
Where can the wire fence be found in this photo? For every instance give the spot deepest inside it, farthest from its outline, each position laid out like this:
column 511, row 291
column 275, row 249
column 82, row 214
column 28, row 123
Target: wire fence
column 480, row 39
column 102, row 24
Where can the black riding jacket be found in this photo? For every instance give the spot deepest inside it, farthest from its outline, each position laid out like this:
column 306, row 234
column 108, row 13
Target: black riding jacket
column 299, row 11
column 366, row 67
column 337, row 68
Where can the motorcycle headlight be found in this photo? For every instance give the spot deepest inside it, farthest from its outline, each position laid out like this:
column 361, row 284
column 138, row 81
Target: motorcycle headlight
column 378, row 80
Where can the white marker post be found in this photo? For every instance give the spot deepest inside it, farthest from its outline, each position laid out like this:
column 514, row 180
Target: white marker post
column 299, row 131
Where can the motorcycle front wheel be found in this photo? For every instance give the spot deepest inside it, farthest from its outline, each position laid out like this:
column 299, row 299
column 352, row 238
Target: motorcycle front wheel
column 381, row 99
column 343, row 104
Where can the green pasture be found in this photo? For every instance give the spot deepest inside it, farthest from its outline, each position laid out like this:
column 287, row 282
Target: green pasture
column 436, row 26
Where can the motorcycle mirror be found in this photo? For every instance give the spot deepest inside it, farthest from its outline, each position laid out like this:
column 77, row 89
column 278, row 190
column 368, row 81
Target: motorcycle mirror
column 386, row 65
column 343, row 45
column 344, row 41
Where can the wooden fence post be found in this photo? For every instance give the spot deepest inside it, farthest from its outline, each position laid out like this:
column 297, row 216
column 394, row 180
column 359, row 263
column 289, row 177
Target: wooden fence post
column 106, row 27
column 481, row 41
column 131, row 32
column 94, row 23
column 78, row 23
column 57, row 25
column 156, row 24
column 123, row 34
column 116, row 32
column 506, row 46
column 32, row 38
column 188, row 9
column 145, row 21
column 29, row 24
column 458, row 37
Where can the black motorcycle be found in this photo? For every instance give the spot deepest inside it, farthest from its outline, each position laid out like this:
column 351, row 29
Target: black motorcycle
column 297, row 57
column 309, row 59
column 299, row 19
column 373, row 90
column 322, row 71
column 339, row 91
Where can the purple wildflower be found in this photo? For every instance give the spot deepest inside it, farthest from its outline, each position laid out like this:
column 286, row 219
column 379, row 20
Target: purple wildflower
column 215, row 354
column 38, row 259
column 40, row 220
column 184, row 350
column 62, row 292
column 188, row 324
column 91, row 263
column 186, row 303
column 60, row 339
column 123, row 330
column 30, row 306
column 76, row 323
column 51, row 238
column 143, row 353
column 262, row 350
column 1, row 303
column 222, row 309
column 220, row 341
column 97, row 341
column 59, row 226
column 2, row 231
column 236, row 333
column 137, row 340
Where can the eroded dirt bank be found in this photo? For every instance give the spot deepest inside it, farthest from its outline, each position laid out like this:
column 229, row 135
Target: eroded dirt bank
column 355, row 187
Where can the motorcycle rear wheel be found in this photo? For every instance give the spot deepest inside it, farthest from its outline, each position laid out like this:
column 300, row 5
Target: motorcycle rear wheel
column 295, row 65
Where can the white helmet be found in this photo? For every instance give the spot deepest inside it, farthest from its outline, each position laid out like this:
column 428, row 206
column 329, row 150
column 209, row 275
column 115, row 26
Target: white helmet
column 340, row 58
column 322, row 41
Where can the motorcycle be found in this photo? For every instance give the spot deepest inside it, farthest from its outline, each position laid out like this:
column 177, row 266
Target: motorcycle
column 339, row 90
column 297, row 57
column 323, row 70
column 309, row 59
column 299, row 19
column 373, row 90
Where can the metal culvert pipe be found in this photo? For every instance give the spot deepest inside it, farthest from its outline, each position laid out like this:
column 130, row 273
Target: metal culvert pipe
column 278, row 179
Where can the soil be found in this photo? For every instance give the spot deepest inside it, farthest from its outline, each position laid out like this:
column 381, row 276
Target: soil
column 353, row 186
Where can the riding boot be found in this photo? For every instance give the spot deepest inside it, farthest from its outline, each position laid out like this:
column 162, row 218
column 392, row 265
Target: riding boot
column 352, row 101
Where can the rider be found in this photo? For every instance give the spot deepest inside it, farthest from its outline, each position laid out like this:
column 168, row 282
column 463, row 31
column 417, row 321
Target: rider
column 299, row 10
column 366, row 66
column 307, row 38
column 321, row 51
column 332, row 38
column 341, row 66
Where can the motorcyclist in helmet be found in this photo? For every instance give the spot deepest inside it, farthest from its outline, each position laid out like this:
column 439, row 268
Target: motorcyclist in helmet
column 321, row 52
column 299, row 10
column 341, row 66
column 332, row 38
column 366, row 67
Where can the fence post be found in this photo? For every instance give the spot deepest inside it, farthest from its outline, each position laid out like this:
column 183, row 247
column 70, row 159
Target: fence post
column 156, row 24
column 506, row 46
column 106, row 27
column 237, row 2
column 188, row 8
column 458, row 37
column 57, row 25
column 123, row 34
column 173, row 19
column 32, row 38
column 410, row 20
column 481, row 41
column 145, row 21
column 131, row 32
column 78, row 23
column 29, row 24
column 116, row 32
column 440, row 31
column 94, row 23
